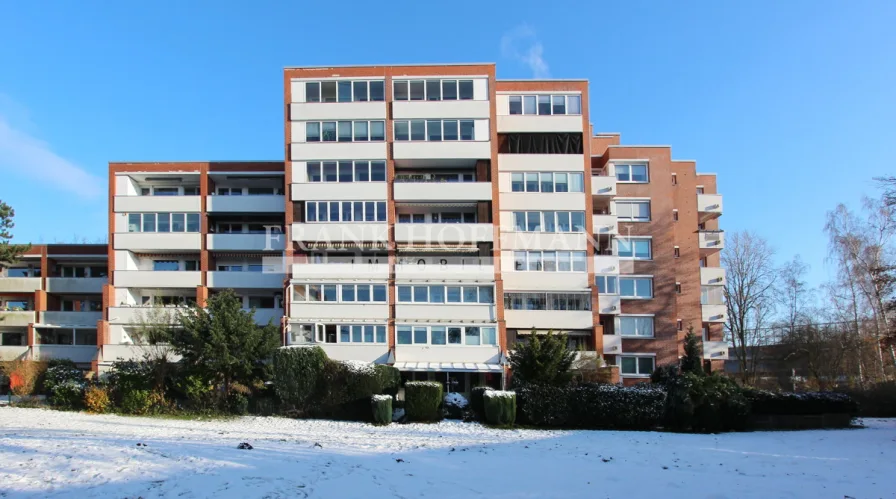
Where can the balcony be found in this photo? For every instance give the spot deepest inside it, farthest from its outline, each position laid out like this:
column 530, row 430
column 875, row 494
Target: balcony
column 323, row 311
column 549, row 319
column 378, row 354
column 70, row 318
column 710, row 241
column 444, row 233
column 544, row 281
column 340, row 232
column 612, row 344
column 712, row 276
column 445, row 353
column 263, row 315
column 19, row 284
column 337, row 111
column 442, row 191
column 16, row 317
column 164, row 204
column 360, row 270
column 80, row 354
column 605, row 224
column 540, row 123
column 76, row 285
column 138, row 241
column 246, row 242
column 715, row 350
column 445, row 311
column 709, row 206
column 246, row 204
column 339, row 191
column 324, row 151
column 606, row 264
column 245, row 280
column 542, row 201
column 609, row 304
column 602, row 185
column 540, row 162
column 156, row 279
column 453, row 150
column 409, row 110
column 136, row 314
column 447, row 272
column 13, row 352
column 714, row 313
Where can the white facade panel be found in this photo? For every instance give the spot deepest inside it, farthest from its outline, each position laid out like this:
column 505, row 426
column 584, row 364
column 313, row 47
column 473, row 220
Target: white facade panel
column 612, row 344
column 712, row 276
column 710, row 204
column 135, row 314
column 714, row 313
column 246, row 242
column 609, row 304
column 263, row 315
column 340, row 232
column 549, row 319
column 8, row 353
column 136, row 241
column 19, row 284
column 158, row 204
column 543, row 241
column 340, row 191
column 444, row 353
column 309, row 272
column 74, row 285
column 449, row 272
column 151, row 279
column 545, row 281
column 17, row 317
column 715, row 350
column 70, row 318
column 603, row 186
column 336, row 150
column 81, row 354
column 442, row 150
column 542, row 162
column 606, row 264
column 330, row 111
column 605, row 224
column 329, row 312
column 444, row 233
column 534, row 201
column 539, row 124
column 444, row 311
column 250, row 280
column 711, row 241
column 378, row 354
column 125, row 186
column 443, row 191
column 246, row 204
column 456, row 109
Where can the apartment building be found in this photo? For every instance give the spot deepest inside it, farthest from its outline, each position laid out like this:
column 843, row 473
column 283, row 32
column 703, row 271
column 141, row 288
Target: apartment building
column 51, row 303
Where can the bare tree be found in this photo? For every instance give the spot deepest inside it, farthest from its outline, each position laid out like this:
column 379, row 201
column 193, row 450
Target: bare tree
column 750, row 276
column 793, row 292
column 151, row 334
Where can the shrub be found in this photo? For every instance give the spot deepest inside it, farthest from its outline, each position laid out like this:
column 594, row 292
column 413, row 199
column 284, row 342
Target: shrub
column 382, row 409
column 709, row 404
column 196, row 392
column 692, row 361
column 137, row 402
column 60, row 373
column 592, row 406
column 808, row 403
column 67, row 395
column 23, row 375
column 127, row 376
column 476, row 403
column 455, row 405
column 237, row 404
column 345, row 389
column 296, row 373
column 542, row 360
column 875, row 401
column 663, row 375
column 390, row 378
column 500, row 407
column 96, row 400
column 423, row 400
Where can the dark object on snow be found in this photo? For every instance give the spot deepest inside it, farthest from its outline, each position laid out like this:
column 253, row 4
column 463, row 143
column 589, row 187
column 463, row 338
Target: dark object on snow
column 399, row 460
column 318, row 445
column 244, row 446
column 141, row 444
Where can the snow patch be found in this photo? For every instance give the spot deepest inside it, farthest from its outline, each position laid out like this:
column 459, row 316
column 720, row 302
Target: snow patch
column 456, row 399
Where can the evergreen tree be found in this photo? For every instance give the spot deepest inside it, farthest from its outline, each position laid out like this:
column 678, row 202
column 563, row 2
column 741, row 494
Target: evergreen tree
column 9, row 253
column 692, row 362
column 222, row 343
column 542, row 360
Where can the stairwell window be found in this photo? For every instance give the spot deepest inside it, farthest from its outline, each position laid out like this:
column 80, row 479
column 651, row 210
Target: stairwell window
column 606, row 284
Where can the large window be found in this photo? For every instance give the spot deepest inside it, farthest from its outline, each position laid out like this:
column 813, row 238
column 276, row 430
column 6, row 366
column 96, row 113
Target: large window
column 434, row 130
column 631, row 173
column 346, row 171
column 345, row 131
column 549, row 221
column 549, row 261
column 163, row 222
column 636, row 287
column 339, row 293
column 546, row 104
column 13, row 338
column 547, row 182
column 345, row 211
column 547, row 301
column 432, row 89
column 66, row 336
column 636, row 248
column 345, row 91
column 447, row 335
column 637, row 326
column 448, row 217
column 637, row 366
column 633, row 211
column 445, row 294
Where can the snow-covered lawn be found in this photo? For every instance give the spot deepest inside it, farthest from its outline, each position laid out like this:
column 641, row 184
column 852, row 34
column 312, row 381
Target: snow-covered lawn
column 61, row 454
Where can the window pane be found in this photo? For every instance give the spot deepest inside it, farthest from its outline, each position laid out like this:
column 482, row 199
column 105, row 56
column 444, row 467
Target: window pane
column 328, row 91
column 642, row 249
column 421, row 294
column 164, row 222
column 549, row 221
column 559, row 104
column 516, row 182
column 377, row 91
column 328, row 131
column 404, row 294
column 465, row 89
column 535, row 261
column 641, row 211
column 453, row 294
column 433, row 90
column 404, row 335
column 645, row 365
column 369, row 211
column 149, row 222
column 312, row 131
column 346, row 171
column 346, row 211
column 329, row 292
column 357, row 332
column 345, row 91
column 312, row 91
column 579, row 262
column 359, row 91
column 400, row 90
column 533, row 221
column 563, row 221
column 576, row 182
column 560, row 182
column 622, row 173
column 420, row 336
column 466, row 130
column 437, row 294
column 516, row 104
column 358, row 211
column 402, row 131
column 313, row 169
column 547, row 182
column 529, row 104
column 418, row 130
column 379, row 292
column 472, row 336
column 348, row 292
column 360, row 131
column 362, row 171
column 519, row 260
column 378, row 171
column 345, row 131
column 578, row 221
column 330, row 171
column 519, row 221
column 334, row 211
column 550, row 261
column 417, row 90
column 532, row 182
column 544, row 104
column 450, row 129
column 471, row 294
column 377, row 130
column 449, row 89
column 489, row 336
column 434, row 130
column 574, row 104
column 134, row 222
column 627, row 287
column 486, row 294
column 381, row 211
column 178, row 222
column 437, row 334
column 380, row 334
column 454, row 335
column 629, row 365
column 192, row 222
column 639, row 173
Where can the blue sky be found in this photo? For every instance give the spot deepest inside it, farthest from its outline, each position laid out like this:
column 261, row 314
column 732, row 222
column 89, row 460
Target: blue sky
column 791, row 103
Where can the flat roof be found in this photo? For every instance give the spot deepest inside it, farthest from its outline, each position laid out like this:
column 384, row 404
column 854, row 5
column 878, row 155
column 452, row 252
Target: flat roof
column 198, row 161
column 429, row 64
column 529, row 80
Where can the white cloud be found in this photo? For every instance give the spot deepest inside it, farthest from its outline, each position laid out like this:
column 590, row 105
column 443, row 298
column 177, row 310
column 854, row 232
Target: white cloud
column 25, row 155
column 521, row 44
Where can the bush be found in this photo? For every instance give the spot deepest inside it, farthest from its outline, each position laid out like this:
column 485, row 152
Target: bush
column 67, row 395
column 500, row 407
column 237, row 404
column 592, row 406
column 663, row 375
column 542, row 360
column 344, row 391
column 136, row 402
column 455, row 405
column 808, row 403
column 390, row 378
column 476, row 403
column 126, row 376
column 876, row 401
column 423, row 400
column 296, row 373
column 23, row 375
column 382, row 409
column 96, row 400
column 196, row 393
column 707, row 404
column 59, row 373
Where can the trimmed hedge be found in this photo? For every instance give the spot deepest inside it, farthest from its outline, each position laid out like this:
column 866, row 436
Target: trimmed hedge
column 390, row 378
column 803, row 404
column 875, row 401
column 592, row 406
column 500, row 407
column 423, row 400
column 476, row 403
column 382, row 409
column 296, row 373
column 705, row 404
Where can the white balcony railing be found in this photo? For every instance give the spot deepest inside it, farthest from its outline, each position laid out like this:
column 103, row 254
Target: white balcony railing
column 341, row 270
column 444, row 233
column 19, row 284
column 709, row 206
column 603, row 186
column 246, row 242
column 712, row 276
column 246, row 204
column 549, row 319
column 715, row 350
column 714, row 313
column 245, row 280
column 612, row 344
column 157, row 279
column 711, row 241
column 443, row 191
column 605, row 224
column 76, row 285
column 70, row 318
column 16, row 317
column 609, row 304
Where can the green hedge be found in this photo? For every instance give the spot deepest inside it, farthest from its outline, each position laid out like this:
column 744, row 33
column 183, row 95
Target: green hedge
column 382, row 409
column 592, row 406
column 476, row 403
column 706, row 404
column 423, row 400
column 390, row 378
column 296, row 373
column 875, row 401
column 500, row 407
column 802, row 404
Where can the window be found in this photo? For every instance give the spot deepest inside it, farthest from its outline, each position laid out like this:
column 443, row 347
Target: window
column 345, row 131
column 352, row 333
column 345, row 211
column 636, row 366
column 439, row 293
column 678, row 288
column 447, row 335
column 606, row 284
column 633, row 211
column 699, row 189
column 547, row 301
column 230, row 191
column 674, row 179
column 163, row 222
column 432, row 90
column 165, row 265
column 547, row 182
column 679, row 324
column 344, row 293
column 549, row 221
column 635, row 326
column 631, row 173
column 636, row 287
column 165, row 191
column 676, row 252
column 434, row 130
column 261, row 302
column 566, row 261
column 674, row 215
column 638, row 249
column 546, row 104
column 344, row 91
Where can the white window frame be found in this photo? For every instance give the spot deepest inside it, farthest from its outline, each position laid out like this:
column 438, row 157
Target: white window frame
column 553, row 182
column 441, row 130
column 542, row 215
column 317, row 205
column 339, row 286
column 337, row 141
column 636, row 278
column 631, row 201
column 628, row 166
column 607, row 278
column 457, row 81
column 540, row 253
column 463, row 337
column 616, row 244
column 618, row 325
column 638, row 373
column 566, row 99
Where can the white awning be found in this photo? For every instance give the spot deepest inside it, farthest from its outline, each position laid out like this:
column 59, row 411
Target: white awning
column 448, row 366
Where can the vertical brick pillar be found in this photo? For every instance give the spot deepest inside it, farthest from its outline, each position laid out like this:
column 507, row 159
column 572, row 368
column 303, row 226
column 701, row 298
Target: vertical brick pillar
column 40, row 302
column 201, row 295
